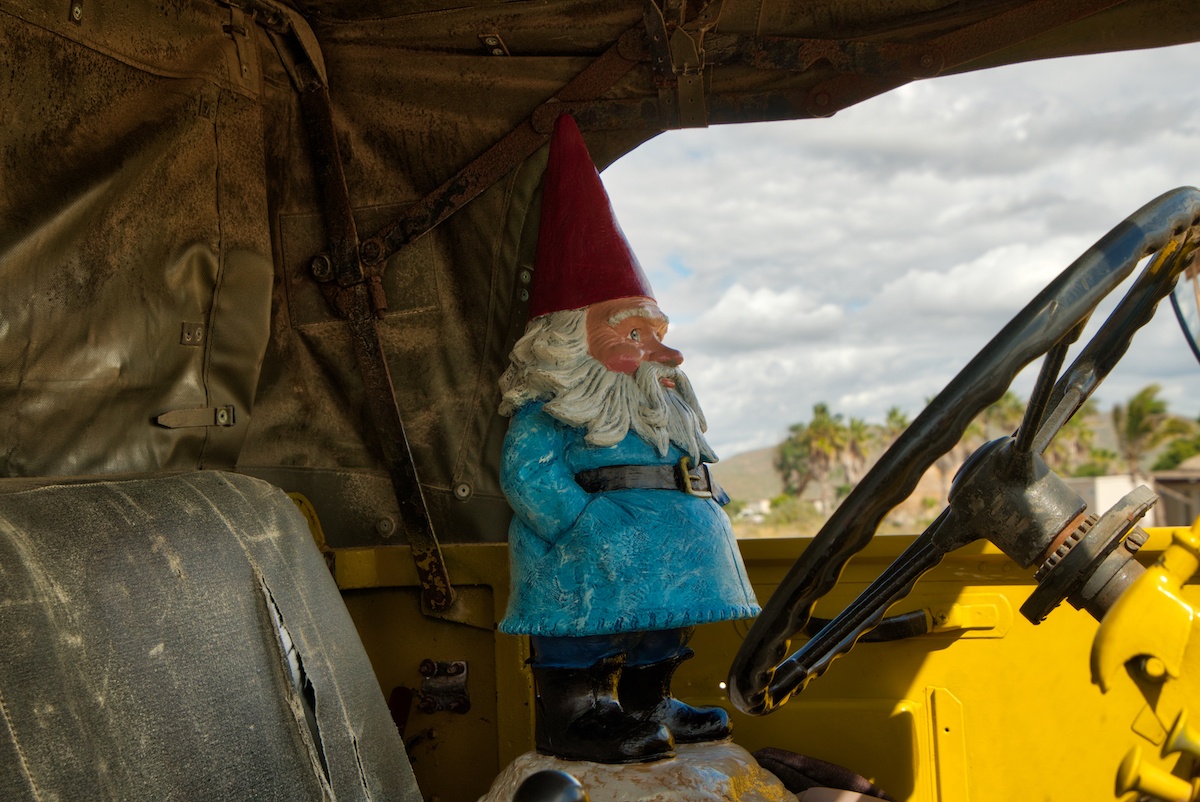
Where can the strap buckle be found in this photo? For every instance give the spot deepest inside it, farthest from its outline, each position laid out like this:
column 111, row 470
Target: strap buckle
column 688, row 480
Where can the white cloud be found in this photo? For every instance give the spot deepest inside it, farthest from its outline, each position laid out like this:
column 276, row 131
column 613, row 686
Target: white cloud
column 862, row 260
column 745, row 320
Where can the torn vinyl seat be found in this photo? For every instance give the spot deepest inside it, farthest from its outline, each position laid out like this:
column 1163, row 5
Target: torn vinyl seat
column 180, row 638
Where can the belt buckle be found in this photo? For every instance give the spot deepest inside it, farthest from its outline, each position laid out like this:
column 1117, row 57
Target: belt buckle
column 686, row 478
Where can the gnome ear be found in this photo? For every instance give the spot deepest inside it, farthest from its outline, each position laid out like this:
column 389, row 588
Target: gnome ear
column 582, row 254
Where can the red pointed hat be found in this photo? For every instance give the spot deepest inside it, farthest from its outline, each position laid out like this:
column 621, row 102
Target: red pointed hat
column 582, row 254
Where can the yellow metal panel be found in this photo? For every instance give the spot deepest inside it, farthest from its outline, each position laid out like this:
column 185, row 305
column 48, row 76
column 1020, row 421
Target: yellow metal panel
column 947, row 734
column 987, row 708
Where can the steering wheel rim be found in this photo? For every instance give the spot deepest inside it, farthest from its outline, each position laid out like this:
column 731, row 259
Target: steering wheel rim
column 1054, row 314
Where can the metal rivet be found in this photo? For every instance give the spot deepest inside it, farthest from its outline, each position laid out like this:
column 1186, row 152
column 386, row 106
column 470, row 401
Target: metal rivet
column 321, row 267
column 385, row 526
column 462, row 490
column 497, row 51
column 524, row 295
column 491, row 41
column 222, row 416
column 821, row 99
column 927, row 61
column 1153, row 668
column 76, row 11
column 526, row 277
column 370, row 251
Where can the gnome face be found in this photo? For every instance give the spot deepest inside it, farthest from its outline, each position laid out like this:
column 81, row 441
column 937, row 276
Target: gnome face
column 625, row 333
column 593, row 349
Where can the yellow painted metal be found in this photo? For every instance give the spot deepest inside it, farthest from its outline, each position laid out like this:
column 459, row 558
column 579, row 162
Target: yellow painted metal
column 1135, row 776
column 984, row 708
column 310, row 515
column 1150, row 642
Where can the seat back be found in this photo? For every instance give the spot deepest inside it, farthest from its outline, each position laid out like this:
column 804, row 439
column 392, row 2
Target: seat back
column 180, row 637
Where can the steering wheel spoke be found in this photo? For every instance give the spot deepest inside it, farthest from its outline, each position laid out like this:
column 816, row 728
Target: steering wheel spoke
column 1005, row 492
column 865, row 612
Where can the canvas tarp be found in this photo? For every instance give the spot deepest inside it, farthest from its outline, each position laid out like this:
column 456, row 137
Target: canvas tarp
column 159, row 210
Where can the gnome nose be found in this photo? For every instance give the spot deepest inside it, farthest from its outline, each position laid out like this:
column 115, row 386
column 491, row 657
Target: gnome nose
column 665, row 355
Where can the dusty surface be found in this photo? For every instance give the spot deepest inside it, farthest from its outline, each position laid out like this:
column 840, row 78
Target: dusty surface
column 699, row 773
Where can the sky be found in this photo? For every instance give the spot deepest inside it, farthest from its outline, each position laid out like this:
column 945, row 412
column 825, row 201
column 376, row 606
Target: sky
column 862, row 260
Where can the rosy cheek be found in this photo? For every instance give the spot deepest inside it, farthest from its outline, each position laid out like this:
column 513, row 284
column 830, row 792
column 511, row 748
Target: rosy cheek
column 620, row 357
column 623, row 358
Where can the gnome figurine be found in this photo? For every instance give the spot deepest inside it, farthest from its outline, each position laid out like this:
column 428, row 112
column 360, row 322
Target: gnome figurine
column 619, row 546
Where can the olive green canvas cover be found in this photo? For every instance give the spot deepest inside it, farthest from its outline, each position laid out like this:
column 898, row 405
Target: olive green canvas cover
column 159, row 209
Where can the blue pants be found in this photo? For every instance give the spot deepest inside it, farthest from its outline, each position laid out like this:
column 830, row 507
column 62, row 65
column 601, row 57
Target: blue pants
column 641, row 648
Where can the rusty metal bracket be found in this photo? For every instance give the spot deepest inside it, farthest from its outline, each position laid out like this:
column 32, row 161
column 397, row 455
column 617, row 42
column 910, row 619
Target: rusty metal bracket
column 517, row 145
column 862, row 68
column 353, row 290
column 444, row 687
column 678, row 61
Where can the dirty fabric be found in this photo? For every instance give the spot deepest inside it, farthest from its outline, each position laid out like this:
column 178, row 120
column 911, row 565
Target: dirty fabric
column 140, row 627
column 134, row 249
column 159, row 213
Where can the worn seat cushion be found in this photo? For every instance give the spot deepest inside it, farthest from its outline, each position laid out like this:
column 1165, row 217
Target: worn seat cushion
column 144, row 631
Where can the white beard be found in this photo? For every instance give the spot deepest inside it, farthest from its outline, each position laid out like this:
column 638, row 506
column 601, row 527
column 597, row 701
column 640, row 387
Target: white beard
column 551, row 363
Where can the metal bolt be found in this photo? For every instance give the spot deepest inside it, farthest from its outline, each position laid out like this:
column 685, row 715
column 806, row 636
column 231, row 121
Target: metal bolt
column 427, row 704
column 1135, row 539
column 321, row 268
column 370, row 251
column 1152, row 668
column 385, row 526
column 427, row 668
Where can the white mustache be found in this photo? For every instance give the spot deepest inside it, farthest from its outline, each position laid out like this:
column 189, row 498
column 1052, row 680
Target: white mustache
column 551, row 364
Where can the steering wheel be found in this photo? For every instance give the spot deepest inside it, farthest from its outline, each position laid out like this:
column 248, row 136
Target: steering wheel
column 1004, row 492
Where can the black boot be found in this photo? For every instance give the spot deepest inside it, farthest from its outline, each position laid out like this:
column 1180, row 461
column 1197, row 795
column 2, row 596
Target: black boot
column 645, row 692
column 579, row 717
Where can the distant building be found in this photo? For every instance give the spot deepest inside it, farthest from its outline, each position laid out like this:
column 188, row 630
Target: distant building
column 1103, row 492
column 1179, row 493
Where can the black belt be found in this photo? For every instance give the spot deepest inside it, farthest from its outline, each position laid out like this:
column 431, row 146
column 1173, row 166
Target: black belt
column 680, row 476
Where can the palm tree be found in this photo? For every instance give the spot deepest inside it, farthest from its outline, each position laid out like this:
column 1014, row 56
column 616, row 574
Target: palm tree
column 897, row 421
column 826, row 440
column 1142, row 424
column 948, row 464
column 810, row 454
column 1004, row 416
column 859, row 438
column 1074, row 445
column 791, row 460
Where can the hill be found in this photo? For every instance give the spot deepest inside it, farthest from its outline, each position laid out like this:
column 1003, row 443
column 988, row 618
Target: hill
column 749, row 476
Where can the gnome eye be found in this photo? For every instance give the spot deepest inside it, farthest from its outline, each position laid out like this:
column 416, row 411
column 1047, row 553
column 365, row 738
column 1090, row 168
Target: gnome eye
column 635, row 335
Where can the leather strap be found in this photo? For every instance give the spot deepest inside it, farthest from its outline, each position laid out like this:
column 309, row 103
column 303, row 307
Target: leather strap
column 680, row 476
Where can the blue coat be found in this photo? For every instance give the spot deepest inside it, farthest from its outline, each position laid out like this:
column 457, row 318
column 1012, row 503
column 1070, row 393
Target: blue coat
column 619, row 561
